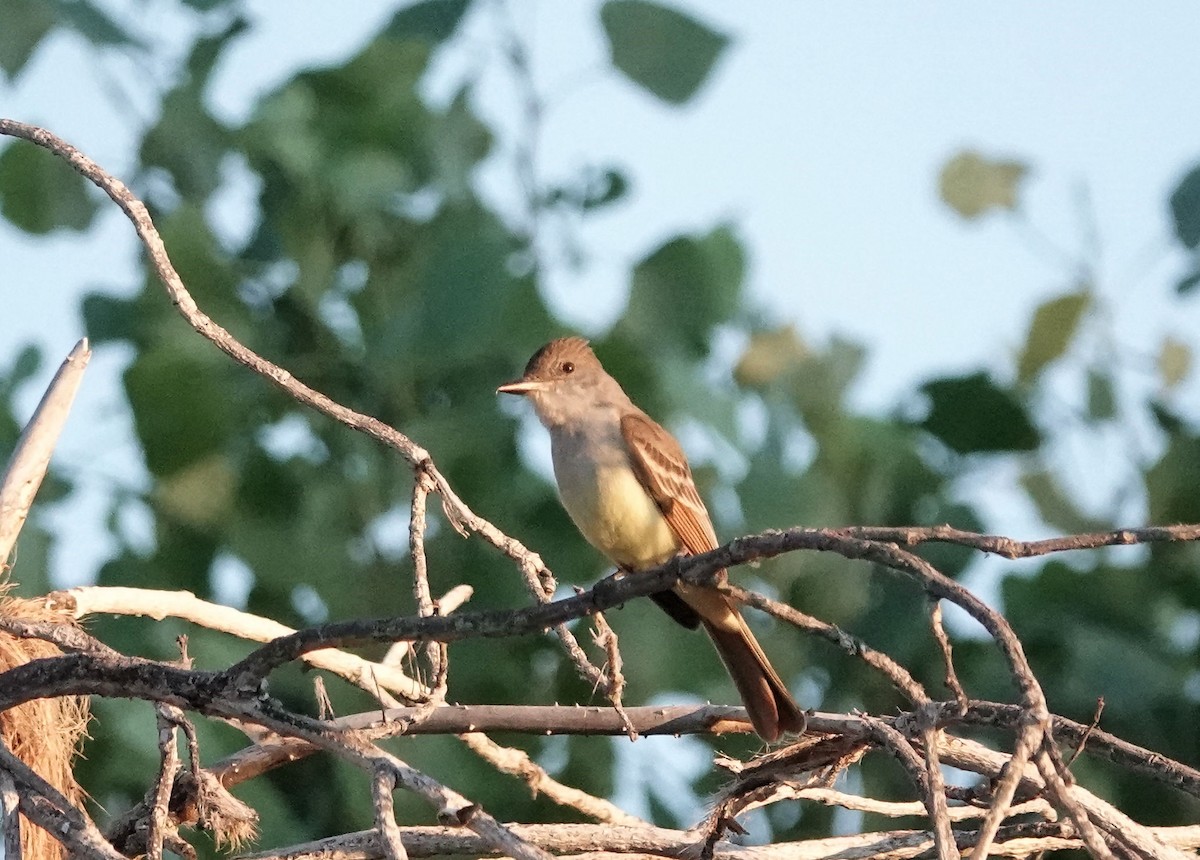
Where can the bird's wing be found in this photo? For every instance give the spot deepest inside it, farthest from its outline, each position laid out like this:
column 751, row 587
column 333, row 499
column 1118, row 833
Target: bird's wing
column 662, row 467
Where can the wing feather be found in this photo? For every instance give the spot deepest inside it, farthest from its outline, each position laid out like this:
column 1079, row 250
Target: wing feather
column 663, row 469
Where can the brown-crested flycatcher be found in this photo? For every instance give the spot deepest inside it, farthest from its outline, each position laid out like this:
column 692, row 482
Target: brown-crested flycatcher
column 627, row 485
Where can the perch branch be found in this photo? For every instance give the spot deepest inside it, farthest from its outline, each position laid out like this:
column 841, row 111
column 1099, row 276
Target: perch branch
column 1014, row 549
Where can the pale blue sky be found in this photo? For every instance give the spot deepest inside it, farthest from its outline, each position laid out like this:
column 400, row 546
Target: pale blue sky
column 821, row 135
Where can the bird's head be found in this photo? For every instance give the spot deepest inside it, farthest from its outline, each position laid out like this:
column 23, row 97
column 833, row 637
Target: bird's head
column 562, row 379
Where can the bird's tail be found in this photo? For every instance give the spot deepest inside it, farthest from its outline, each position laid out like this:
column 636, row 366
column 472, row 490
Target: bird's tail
column 771, row 707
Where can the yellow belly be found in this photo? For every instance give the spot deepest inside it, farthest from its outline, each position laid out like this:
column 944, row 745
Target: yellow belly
column 617, row 516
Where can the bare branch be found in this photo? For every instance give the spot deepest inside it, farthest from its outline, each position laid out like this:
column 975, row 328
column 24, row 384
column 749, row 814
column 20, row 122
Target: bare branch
column 943, row 641
column 1014, row 549
column 1063, row 797
column 1028, row 739
column 935, row 800
column 895, row 809
column 1087, row 732
column 900, row 677
column 388, row 832
column 626, row 842
column 605, row 637
column 168, row 751
column 447, row 603
column 118, row 600
column 45, row 806
column 518, row 763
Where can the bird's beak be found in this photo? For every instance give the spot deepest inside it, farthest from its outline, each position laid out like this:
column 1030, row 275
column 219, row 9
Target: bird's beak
column 519, row 386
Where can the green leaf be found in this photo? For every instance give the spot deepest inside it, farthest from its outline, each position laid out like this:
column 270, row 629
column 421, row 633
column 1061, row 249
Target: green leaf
column 23, row 25
column 459, row 142
column 593, row 189
column 970, row 414
column 1165, row 418
column 94, row 24
column 188, row 143
column 1099, row 632
column 39, row 192
column 207, row 51
column 1174, row 362
column 1050, row 333
column 1101, row 399
column 1053, row 504
column 201, row 494
column 181, row 407
column 1188, row 283
column 432, row 20
column 768, row 355
column 26, row 364
column 108, row 318
column 1171, row 483
column 972, row 185
column 685, row 288
column 1185, row 208
column 821, row 382
column 31, row 559
column 664, row 51
column 603, row 187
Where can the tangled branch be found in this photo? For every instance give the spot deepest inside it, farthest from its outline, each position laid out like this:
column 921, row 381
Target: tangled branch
column 1024, row 801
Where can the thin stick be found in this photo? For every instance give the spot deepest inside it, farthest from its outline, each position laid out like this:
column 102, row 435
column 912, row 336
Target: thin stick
column 1028, row 740
column 943, row 641
column 168, row 753
column 900, row 677
column 517, row 763
column 606, row 638
column 12, row 816
column 575, row 839
column 1014, row 549
column 1061, row 794
column 382, row 785
column 120, row 600
column 1087, row 733
column 935, row 800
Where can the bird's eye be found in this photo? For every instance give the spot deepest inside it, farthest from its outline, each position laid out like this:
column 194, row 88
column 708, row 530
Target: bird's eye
column 568, row 367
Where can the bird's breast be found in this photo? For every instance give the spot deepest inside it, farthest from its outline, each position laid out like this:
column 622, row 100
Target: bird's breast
column 608, row 503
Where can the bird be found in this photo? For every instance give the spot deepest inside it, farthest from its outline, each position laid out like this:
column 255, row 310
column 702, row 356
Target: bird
column 627, row 486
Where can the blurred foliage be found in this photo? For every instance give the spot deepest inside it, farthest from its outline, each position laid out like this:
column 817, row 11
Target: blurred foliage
column 37, row 196
column 972, row 184
column 668, row 53
column 376, row 273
